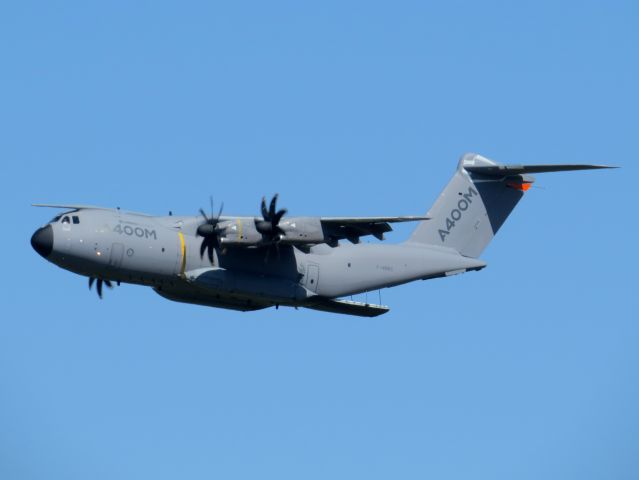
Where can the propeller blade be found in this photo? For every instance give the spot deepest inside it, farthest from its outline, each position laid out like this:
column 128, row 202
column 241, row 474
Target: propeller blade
column 271, row 232
column 278, row 216
column 219, row 213
column 274, row 246
column 203, row 213
column 99, row 283
column 208, row 245
column 211, row 254
column 209, row 231
column 272, row 206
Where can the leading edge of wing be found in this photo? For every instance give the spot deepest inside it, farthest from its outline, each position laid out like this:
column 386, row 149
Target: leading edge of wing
column 70, row 207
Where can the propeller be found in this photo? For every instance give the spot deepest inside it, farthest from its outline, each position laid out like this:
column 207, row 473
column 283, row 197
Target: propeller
column 210, row 232
column 98, row 286
column 269, row 227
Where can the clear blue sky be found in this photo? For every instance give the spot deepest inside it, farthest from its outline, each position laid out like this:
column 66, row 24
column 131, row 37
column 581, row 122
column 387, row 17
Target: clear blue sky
column 527, row 370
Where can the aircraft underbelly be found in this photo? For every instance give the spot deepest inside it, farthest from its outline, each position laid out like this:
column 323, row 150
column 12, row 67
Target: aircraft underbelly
column 188, row 294
column 261, row 288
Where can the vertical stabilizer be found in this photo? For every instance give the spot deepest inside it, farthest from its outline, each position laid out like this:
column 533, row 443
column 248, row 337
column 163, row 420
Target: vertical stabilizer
column 477, row 201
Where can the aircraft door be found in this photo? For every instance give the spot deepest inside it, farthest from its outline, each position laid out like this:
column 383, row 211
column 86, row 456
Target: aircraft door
column 312, row 276
column 117, row 252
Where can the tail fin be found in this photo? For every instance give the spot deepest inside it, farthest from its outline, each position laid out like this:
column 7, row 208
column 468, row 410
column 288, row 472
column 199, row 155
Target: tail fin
column 477, row 201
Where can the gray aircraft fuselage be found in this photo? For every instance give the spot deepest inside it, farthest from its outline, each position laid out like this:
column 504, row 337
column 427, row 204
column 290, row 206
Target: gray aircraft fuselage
column 163, row 252
column 312, row 268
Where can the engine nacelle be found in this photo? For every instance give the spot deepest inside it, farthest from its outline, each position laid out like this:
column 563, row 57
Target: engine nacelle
column 297, row 231
column 240, row 232
column 302, row 231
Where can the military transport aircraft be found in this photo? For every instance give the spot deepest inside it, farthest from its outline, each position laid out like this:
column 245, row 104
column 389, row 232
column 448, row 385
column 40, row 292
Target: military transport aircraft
column 251, row 263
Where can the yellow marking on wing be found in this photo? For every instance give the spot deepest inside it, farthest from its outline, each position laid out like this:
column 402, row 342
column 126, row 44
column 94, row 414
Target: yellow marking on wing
column 239, row 224
column 183, row 252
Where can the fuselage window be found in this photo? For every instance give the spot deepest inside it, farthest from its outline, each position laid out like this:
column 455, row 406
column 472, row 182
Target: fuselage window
column 76, row 219
column 66, row 220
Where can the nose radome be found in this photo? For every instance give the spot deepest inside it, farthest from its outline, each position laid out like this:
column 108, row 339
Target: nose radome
column 42, row 241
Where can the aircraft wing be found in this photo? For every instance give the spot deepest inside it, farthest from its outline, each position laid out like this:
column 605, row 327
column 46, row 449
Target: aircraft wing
column 67, row 206
column 352, row 228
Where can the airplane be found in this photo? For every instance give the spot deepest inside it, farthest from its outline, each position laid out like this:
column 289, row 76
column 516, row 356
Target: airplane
column 252, row 263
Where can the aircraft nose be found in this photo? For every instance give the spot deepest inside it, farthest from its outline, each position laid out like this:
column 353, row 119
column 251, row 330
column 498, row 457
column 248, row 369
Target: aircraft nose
column 42, row 241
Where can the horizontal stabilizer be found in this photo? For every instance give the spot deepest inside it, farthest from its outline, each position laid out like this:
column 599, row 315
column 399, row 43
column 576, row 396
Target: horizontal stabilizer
column 505, row 170
column 347, row 307
column 477, row 200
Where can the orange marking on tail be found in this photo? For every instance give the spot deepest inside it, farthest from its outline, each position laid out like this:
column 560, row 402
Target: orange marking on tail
column 523, row 186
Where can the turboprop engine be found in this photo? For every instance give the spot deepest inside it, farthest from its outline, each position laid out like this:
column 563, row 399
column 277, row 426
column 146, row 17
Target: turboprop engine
column 244, row 232
column 271, row 229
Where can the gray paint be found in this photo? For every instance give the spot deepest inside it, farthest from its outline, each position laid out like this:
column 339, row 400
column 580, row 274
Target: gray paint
column 313, row 268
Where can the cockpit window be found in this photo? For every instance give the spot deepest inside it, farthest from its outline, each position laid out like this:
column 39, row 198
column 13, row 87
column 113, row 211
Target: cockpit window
column 55, row 219
column 76, row 219
column 66, row 219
